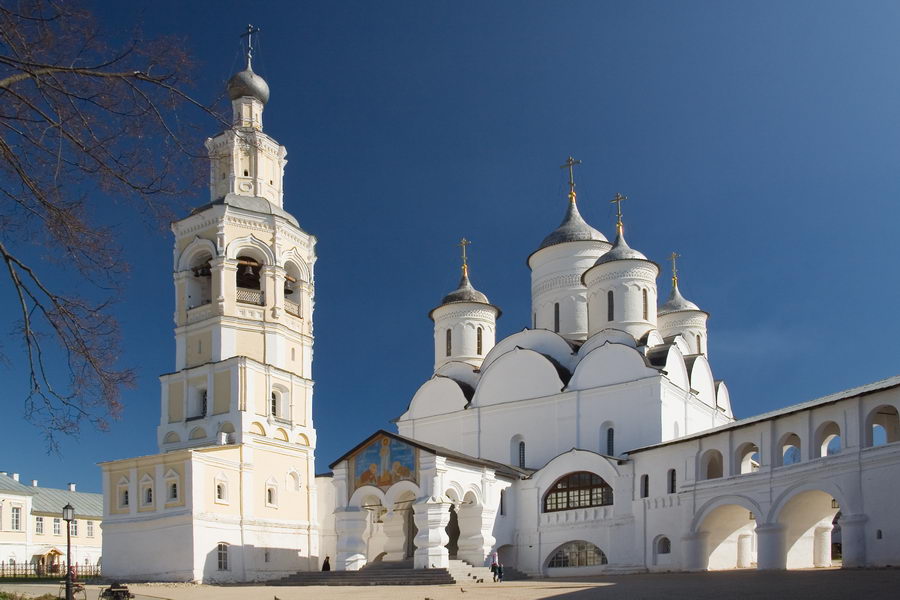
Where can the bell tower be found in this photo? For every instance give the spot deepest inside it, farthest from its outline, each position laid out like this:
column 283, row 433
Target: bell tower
column 244, row 296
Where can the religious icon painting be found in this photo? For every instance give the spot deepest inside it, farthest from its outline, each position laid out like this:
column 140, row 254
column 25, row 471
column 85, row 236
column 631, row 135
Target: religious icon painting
column 383, row 462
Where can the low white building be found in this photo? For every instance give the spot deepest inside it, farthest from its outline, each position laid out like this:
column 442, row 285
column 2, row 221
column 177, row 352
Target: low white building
column 33, row 532
column 599, row 441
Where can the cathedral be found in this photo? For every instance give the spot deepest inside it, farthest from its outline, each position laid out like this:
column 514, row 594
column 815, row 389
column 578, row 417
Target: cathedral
column 596, row 440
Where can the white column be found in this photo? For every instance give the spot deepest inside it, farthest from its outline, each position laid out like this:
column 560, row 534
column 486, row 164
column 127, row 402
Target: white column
column 853, row 540
column 695, row 555
column 770, row 547
column 822, row 546
column 432, row 516
column 395, row 545
column 350, row 525
column 476, row 540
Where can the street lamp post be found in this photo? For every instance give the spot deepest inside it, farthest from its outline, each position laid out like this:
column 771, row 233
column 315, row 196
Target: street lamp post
column 68, row 516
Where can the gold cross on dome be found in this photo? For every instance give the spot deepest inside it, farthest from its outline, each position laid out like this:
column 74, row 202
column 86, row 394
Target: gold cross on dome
column 618, row 202
column 249, row 35
column 465, row 263
column 673, row 257
column 570, row 164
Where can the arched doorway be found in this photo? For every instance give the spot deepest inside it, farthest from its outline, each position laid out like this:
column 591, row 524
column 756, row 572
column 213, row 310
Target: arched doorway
column 452, row 530
column 727, row 538
column 807, row 519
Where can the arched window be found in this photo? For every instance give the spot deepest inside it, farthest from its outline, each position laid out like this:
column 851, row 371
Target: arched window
column 534, row 320
column 148, row 496
column 502, row 502
column 646, row 305
column 672, row 481
column 610, row 306
column 247, row 275
column 645, row 486
column 199, row 287
column 747, row 459
column 220, row 492
column 711, row 465
column 522, row 455
column 663, row 546
column 556, row 317
column 610, row 442
column 449, row 343
column 124, row 497
column 828, row 439
column 788, row 450
column 222, row 556
column 271, row 496
column 577, row 554
column 173, row 491
column 204, row 401
column 699, row 345
column 578, row 490
column 478, row 342
column 882, row 426
column 275, row 404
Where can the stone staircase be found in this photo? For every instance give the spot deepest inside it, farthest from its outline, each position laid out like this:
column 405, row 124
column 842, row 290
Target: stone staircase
column 378, row 573
column 400, row 573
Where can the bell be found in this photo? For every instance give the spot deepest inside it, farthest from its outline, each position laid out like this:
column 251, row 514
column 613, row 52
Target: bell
column 205, row 272
column 248, row 271
column 288, row 288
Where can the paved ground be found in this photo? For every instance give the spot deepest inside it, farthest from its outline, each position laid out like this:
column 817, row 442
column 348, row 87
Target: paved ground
column 820, row 584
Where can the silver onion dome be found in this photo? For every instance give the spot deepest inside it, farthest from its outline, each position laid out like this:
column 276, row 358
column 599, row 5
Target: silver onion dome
column 572, row 229
column 620, row 251
column 465, row 293
column 676, row 302
column 247, row 83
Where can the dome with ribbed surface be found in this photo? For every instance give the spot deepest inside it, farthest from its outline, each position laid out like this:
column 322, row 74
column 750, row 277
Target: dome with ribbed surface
column 620, row 251
column 248, row 83
column 676, row 302
column 572, row 229
column 465, row 293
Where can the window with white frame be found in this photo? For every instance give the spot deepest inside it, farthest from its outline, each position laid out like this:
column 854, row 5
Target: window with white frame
column 90, row 529
column 147, row 491
column 222, row 556
column 279, row 404
column 271, row 494
column 73, row 526
column 171, row 485
column 39, row 525
column 56, row 526
column 16, row 518
column 221, row 490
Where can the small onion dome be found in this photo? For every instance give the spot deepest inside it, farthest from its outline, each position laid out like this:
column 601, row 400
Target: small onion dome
column 620, row 251
column 248, row 83
column 676, row 302
column 572, row 229
column 465, row 293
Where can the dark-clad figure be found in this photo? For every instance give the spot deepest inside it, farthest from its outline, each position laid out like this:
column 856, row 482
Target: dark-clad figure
column 326, row 566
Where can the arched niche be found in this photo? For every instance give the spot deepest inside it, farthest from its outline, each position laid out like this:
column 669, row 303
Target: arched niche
column 610, row 364
column 541, row 341
column 439, row 395
column 517, row 375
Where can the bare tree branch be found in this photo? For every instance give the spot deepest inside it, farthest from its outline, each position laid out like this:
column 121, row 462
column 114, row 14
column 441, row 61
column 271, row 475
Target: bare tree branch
column 81, row 122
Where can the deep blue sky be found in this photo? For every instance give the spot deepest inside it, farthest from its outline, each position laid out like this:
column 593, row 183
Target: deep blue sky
column 758, row 139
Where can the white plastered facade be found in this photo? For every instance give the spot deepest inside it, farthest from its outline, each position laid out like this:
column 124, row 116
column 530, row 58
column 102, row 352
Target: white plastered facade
column 626, row 395
column 234, row 482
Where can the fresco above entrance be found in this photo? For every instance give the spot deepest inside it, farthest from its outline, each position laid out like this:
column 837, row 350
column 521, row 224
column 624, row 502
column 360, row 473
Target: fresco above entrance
column 383, row 462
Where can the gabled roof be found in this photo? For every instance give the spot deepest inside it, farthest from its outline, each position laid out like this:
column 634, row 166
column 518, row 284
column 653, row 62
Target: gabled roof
column 863, row 390
column 50, row 500
column 499, row 468
column 8, row 484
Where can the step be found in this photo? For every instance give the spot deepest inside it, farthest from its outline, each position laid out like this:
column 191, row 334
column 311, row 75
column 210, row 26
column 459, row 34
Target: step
column 376, row 576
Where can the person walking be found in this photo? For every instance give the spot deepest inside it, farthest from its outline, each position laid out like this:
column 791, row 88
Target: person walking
column 326, row 566
column 499, row 571
column 494, row 566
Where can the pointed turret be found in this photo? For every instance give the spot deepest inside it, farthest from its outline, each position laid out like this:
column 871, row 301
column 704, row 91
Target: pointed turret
column 558, row 298
column 465, row 322
column 680, row 316
column 622, row 287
